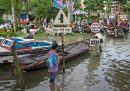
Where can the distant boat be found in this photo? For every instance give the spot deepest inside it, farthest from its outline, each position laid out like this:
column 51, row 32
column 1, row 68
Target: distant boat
column 116, row 33
column 23, row 46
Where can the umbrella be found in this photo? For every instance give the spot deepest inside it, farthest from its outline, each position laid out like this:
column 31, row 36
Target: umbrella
column 78, row 12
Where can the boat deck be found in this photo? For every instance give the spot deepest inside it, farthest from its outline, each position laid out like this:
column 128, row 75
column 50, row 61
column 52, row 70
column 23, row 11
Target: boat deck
column 3, row 50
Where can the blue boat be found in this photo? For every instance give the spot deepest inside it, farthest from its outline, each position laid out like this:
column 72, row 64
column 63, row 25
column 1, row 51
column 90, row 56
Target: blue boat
column 24, row 46
column 32, row 43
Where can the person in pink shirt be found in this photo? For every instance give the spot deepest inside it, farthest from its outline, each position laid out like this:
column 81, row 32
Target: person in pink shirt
column 53, row 62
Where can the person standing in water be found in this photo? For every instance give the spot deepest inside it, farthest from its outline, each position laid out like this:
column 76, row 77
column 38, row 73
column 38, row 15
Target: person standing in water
column 53, row 62
column 99, row 36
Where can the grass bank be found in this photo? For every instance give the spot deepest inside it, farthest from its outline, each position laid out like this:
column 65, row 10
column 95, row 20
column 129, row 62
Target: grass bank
column 42, row 34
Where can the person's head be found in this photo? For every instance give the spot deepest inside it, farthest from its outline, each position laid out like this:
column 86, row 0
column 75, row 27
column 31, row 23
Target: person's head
column 54, row 45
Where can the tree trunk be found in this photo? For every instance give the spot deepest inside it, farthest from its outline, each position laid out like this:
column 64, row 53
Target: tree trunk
column 16, row 14
column 13, row 14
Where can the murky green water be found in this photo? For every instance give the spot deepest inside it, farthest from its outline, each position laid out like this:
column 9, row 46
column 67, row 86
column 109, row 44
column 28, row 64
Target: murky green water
column 109, row 71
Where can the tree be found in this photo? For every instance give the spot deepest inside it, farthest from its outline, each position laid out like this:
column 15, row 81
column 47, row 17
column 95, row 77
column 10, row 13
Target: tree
column 43, row 8
column 126, row 7
column 96, row 5
column 5, row 5
column 122, row 1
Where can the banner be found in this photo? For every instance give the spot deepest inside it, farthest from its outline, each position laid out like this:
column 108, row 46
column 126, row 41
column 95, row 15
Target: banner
column 58, row 4
column 70, row 6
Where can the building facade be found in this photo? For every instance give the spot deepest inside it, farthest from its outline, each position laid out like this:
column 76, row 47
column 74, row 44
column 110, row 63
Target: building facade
column 115, row 8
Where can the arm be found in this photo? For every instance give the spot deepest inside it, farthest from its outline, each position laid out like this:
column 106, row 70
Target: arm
column 58, row 58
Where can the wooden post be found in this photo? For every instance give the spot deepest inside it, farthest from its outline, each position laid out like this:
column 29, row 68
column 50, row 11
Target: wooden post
column 63, row 57
column 18, row 73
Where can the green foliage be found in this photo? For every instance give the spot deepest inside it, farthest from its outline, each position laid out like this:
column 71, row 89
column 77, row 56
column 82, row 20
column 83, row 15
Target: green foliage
column 77, row 4
column 41, row 33
column 5, row 4
column 41, row 30
column 123, row 1
column 70, row 34
column 95, row 5
column 125, row 6
column 14, row 34
column 1, row 20
column 43, row 8
column 76, row 34
column 18, row 6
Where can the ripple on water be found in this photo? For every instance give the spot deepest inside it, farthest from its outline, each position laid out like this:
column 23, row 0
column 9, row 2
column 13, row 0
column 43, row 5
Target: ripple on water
column 116, row 62
column 6, row 85
column 2, row 88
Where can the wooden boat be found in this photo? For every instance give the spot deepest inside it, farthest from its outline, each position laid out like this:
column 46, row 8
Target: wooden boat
column 38, row 60
column 23, row 46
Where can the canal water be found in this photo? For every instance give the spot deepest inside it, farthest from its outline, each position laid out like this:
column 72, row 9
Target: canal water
column 108, row 71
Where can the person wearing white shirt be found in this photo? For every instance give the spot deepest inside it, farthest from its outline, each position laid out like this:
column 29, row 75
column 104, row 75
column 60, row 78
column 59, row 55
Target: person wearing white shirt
column 100, row 36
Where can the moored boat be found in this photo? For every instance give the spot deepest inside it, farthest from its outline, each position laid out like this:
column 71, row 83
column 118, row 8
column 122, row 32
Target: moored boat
column 37, row 61
column 117, row 32
column 23, row 46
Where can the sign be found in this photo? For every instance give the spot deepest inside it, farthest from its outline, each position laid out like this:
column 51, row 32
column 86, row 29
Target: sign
column 61, row 19
column 70, row 6
column 61, row 29
column 94, row 42
column 58, row 4
column 95, row 27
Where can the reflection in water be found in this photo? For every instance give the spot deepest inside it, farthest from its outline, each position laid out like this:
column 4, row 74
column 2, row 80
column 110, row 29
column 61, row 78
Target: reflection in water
column 52, row 87
column 32, row 79
column 92, row 74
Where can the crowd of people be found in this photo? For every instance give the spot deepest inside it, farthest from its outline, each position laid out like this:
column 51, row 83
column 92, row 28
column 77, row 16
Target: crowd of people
column 117, row 23
column 6, row 26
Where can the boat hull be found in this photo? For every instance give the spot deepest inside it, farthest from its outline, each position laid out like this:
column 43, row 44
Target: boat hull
column 72, row 51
